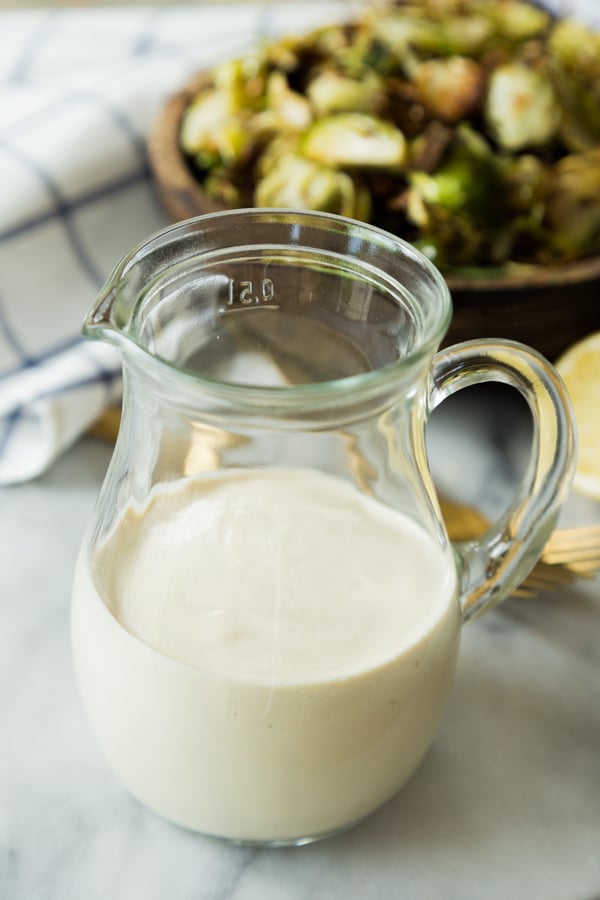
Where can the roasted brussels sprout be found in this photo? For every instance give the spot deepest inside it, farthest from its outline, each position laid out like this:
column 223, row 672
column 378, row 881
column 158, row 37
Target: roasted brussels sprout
column 521, row 109
column 355, row 139
column 413, row 28
column 573, row 205
column 294, row 181
column 469, row 127
column 515, row 20
column 212, row 132
column 466, row 189
column 334, row 92
column 450, row 89
column 286, row 108
column 574, row 53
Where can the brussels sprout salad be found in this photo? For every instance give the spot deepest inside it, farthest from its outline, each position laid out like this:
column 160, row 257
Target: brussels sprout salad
column 471, row 128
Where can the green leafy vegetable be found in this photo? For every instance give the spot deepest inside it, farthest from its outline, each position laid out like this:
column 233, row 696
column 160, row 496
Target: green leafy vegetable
column 469, row 127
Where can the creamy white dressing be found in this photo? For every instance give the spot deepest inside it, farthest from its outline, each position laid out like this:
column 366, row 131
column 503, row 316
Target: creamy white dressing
column 265, row 654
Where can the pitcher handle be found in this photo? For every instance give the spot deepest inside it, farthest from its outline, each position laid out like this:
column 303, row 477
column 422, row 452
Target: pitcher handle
column 491, row 567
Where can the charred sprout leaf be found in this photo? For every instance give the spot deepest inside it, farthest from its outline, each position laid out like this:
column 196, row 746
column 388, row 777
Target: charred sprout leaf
column 242, row 81
column 401, row 30
column 450, row 89
column 428, row 150
column 368, row 53
column 293, row 52
column 408, row 28
column 220, row 186
column 464, row 190
column 200, row 118
column 468, row 179
column 524, row 186
column 331, row 40
column 286, row 53
column 355, row 139
column 286, row 109
column 218, row 123
column 333, row 92
column 576, row 47
column 574, row 53
column 521, row 108
column 525, row 182
column 282, row 144
column 580, row 125
column 515, row 20
column 212, row 133
column 296, row 182
column 573, row 205
column 450, row 238
column 466, row 35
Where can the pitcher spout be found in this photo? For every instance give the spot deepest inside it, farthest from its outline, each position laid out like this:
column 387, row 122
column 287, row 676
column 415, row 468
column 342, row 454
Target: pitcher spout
column 100, row 318
column 111, row 314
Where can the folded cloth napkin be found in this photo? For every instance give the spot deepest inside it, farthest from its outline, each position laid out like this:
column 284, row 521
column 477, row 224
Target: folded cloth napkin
column 79, row 89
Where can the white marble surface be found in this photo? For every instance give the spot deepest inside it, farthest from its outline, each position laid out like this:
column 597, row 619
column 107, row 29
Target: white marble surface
column 506, row 804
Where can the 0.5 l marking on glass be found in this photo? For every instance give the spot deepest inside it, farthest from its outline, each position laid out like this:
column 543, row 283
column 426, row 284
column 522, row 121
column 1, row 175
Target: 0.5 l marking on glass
column 244, row 292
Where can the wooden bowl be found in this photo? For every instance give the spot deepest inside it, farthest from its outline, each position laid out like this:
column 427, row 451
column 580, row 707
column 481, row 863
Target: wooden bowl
column 548, row 308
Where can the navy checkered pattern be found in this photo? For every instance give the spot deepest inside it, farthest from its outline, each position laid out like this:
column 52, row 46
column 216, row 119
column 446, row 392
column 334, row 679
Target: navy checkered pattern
column 79, row 91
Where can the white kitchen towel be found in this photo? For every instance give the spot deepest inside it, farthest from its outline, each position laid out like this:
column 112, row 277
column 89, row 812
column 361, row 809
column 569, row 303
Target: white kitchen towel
column 79, row 91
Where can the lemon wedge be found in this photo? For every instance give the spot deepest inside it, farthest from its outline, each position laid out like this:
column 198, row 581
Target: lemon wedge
column 579, row 367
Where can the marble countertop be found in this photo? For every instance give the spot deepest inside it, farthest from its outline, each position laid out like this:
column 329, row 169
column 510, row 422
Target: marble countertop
column 505, row 805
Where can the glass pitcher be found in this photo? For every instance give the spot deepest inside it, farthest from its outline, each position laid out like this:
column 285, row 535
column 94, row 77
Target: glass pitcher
column 267, row 607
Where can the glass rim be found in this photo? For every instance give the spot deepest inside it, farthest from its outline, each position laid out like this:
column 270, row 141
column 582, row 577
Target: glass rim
column 335, row 390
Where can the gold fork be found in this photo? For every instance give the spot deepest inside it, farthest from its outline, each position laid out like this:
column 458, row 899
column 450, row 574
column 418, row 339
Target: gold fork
column 569, row 554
